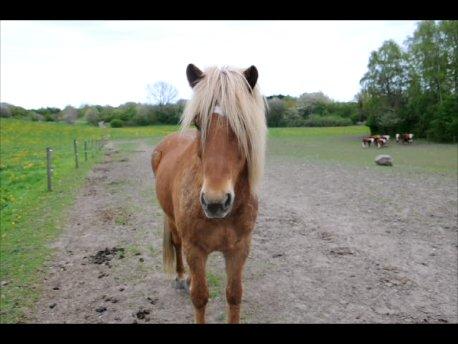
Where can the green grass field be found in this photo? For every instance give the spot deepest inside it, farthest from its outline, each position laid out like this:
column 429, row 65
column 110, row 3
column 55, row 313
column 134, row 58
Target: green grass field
column 342, row 145
column 31, row 217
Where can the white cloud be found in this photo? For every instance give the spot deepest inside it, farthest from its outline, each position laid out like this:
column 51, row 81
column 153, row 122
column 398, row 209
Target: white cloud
column 56, row 63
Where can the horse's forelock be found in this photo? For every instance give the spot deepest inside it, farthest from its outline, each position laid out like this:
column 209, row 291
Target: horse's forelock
column 243, row 106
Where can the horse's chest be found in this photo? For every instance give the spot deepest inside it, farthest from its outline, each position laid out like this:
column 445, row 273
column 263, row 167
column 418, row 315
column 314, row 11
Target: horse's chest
column 221, row 238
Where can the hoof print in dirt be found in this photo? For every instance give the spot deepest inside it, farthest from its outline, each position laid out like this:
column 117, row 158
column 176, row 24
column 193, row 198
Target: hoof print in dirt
column 106, row 255
column 341, row 251
column 152, row 300
column 101, row 309
column 277, row 255
column 52, row 305
column 142, row 314
column 110, row 299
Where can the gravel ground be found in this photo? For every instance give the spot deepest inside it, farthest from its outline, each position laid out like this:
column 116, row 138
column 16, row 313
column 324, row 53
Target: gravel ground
column 333, row 244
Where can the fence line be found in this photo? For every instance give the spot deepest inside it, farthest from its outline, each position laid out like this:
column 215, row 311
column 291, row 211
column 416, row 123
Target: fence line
column 95, row 145
column 49, row 167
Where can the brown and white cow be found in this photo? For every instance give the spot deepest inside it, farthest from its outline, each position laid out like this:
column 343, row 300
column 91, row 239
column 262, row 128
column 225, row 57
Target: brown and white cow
column 404, row 138
column 378, row 140
column 381, row 141
column 367, row 141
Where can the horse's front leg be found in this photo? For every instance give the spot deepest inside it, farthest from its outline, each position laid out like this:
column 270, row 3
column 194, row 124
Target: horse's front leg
column 235, row 261
column 198, row 289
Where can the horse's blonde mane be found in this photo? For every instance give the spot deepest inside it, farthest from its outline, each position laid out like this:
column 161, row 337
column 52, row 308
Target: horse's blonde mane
column 243, row 107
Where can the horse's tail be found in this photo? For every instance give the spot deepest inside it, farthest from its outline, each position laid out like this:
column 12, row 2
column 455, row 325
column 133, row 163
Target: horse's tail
column 168, row 250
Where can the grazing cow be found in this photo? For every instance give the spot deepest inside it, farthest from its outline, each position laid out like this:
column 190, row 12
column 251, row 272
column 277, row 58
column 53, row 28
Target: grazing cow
column 404, row 138
column 367, row 141
column 381, row 142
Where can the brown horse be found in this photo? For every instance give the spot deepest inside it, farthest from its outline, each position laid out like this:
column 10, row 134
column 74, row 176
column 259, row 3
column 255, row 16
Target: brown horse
column 207, row 180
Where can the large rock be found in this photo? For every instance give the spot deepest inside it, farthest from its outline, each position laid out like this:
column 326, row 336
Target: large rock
column 384, row 160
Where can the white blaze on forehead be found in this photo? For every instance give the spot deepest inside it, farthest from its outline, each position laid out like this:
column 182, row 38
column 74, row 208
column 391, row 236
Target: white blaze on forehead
column 218, row 110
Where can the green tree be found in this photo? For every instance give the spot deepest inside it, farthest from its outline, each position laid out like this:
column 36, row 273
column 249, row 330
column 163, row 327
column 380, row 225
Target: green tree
column 276, row 112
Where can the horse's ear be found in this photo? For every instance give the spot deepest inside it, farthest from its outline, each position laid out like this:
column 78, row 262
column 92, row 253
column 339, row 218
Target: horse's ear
column 251, row 75
column 194, row 74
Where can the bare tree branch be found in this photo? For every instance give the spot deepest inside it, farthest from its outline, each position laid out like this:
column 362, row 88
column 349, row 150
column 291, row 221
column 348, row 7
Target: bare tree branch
column 161, row 93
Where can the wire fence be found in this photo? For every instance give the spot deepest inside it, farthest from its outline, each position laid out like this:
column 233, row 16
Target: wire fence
column 87, row 146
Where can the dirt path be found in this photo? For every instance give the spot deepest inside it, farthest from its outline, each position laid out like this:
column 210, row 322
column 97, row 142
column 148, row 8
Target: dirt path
column 332, row 244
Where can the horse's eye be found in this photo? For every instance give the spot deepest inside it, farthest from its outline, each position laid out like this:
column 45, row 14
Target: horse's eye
column 197, row 125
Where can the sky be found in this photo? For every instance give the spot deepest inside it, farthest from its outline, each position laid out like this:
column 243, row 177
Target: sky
column 60, row 63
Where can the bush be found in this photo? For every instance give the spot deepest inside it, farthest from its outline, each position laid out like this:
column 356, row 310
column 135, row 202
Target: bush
column 355, row 118
column 388, row 123
column 168, row 114
column 327, row 121
column 275, row 113
column 92, row 116
column 116, row 123
column 36, row 117
column 49, row 117
column 69, row 114
column 444, row 128
column 293, row 119
column 5, row 110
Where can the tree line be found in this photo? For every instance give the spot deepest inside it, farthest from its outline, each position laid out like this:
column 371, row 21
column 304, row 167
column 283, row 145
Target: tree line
column 310, row 109
column 128, row 114
column 410, row 88
column 413, row 88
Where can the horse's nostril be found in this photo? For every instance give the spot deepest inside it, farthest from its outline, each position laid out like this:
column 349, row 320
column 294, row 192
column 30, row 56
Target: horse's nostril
column 202, row 199
column 228, row 200
column 214, row 207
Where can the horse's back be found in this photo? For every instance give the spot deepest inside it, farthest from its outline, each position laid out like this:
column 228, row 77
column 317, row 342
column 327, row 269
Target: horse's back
column 170, row 148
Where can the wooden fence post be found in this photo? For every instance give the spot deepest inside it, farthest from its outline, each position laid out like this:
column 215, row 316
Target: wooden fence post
column 76, row 153
column 49, row 167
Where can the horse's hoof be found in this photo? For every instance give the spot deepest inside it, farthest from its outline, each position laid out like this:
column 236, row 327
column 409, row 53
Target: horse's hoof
column 181, row 284
column 187, row 285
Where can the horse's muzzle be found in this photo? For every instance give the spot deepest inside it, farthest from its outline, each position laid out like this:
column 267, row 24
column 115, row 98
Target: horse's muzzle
column 216, row 209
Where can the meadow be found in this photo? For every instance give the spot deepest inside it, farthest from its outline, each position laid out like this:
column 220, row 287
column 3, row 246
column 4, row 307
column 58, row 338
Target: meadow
column 342, row 145
column 31, row 217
